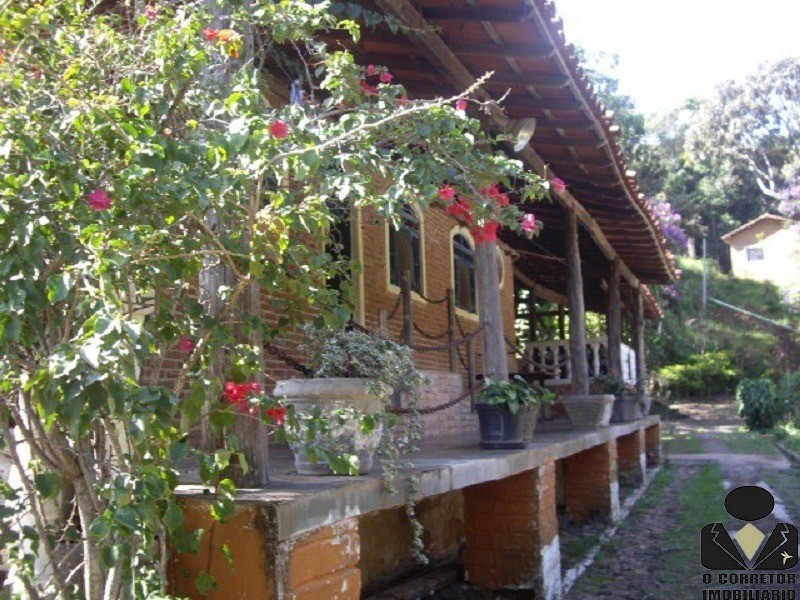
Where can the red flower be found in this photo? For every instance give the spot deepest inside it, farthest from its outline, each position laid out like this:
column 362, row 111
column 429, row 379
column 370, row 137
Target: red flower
column 494, row 192
column 368, row 89
column 99, row 200
column 210, row 34
column 277, row 414
column 186, row 345
column 529, row 222
column 447, row 193
column 461, row 105
column 386, row 77
column 238, row 395
column 279, row 129
column 460, row 209
column 487, row 233
column 150, row 12
column 402, row 101
column 558, row 185
column 370, row 70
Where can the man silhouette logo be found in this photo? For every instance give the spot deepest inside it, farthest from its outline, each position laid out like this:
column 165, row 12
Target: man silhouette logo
column 753, row 550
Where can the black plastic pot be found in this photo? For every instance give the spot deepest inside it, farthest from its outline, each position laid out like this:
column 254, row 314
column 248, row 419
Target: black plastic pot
column 500, row 430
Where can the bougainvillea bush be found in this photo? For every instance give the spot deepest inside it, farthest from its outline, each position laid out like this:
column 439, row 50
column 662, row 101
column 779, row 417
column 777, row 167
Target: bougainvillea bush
column 160, row 166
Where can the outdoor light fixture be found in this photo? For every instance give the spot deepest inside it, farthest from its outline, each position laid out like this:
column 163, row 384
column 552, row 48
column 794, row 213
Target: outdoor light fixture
column 521, row 132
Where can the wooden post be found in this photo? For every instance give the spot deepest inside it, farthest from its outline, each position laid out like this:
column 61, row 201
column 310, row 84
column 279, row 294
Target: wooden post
column 451, row 329
column 562, row 330
column 495, row 358
column 577, row 310
column 614, row 321
column 471, row 370
column 383, row 326
column 408, row 316
column 638, row 340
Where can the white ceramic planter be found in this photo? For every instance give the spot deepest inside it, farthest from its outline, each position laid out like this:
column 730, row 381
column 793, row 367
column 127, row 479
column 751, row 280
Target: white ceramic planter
column 331, row 394
column 589, row 411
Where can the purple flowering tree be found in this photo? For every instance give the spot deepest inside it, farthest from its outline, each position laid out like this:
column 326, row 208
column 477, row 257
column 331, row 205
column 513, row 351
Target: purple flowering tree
column 670, row 223
column 789, row 200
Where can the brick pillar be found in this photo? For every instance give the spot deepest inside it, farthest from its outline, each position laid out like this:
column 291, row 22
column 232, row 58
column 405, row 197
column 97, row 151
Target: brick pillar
column 321, row 565
column 590, row 483
column 631, row 460
column 652, row 436
column 512, row 534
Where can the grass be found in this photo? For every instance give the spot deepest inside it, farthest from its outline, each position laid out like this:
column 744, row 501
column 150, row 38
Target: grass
column 750, row 442
column 681, row 442
column 670, row 558
column 789, row 435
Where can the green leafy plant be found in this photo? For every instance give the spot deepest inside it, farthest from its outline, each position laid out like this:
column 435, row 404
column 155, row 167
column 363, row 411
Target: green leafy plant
column 789, row 392
column 515, row 393
column 759, row 403
column 703, row 375
column 610, row 383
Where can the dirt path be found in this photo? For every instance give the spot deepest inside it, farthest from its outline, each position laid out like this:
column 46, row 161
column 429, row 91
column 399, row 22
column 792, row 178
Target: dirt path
column 650, row 557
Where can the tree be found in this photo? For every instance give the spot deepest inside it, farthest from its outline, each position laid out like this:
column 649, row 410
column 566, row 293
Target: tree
column 138, row 148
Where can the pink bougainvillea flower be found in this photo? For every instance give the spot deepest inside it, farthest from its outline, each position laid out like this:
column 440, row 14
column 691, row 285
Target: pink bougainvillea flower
column 368, row 88
column 238, row 395
column 99, row 200
column 493, row 191
column 186, row 345
column 446, row 193
column 460, row 209
column 210, row 34
column 461, row 105
column 370, row 70
column 402, row 101
column 150, row 12
column 529, row 222
column 558, row 185
column 486, row 233
column 386, row 77
column 277, row 414
column 278, row 129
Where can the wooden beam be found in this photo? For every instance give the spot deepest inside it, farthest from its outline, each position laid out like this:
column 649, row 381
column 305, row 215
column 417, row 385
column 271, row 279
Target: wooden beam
column 476, row 13
column 577, row 160
column 542, row 103
column 537, row 81
column 581, row 124
column 541, row 292
column 614, row 320
column 638, row 340
column 577, row 309
column 551, row 140
column 490, row 308
column 537, row 51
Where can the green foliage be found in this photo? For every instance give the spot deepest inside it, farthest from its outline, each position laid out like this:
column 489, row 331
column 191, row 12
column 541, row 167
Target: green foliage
column 686, row 329
column 515, row 393
column 146, row 184
column 789, row 393
column 702, row 375
column 343, row 353
column 759, row 403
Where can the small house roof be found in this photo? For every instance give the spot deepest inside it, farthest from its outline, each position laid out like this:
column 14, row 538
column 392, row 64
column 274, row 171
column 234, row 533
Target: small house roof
column 765, row 217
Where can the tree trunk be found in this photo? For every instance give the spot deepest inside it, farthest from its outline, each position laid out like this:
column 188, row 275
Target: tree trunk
column 614, row 321
column 638, row 340
column 495, row 358
column 577, row 311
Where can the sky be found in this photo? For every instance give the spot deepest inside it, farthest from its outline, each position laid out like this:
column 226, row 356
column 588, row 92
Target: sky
column 670, row 50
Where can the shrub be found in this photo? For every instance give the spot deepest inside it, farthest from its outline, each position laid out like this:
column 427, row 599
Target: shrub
column 515, row 393
column 789, row 393
column 703, row 375
column 759, row 403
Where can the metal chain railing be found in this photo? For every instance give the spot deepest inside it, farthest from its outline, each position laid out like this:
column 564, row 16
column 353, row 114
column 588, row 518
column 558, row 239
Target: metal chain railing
column 442, row 347
column 439, row 407
column 430, row 336
column 289, row 360
column 431, row 301
column 394, row 310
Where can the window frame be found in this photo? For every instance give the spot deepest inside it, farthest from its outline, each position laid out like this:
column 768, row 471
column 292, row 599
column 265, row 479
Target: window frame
column 393, row 287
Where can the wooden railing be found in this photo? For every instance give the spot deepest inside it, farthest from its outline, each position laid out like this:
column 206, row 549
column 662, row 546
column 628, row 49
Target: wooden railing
column 552, row 358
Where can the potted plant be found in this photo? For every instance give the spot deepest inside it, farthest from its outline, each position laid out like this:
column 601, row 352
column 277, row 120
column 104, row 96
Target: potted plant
column 337, row 418
column 629, row 404
column 593, row 410
column 507, row 412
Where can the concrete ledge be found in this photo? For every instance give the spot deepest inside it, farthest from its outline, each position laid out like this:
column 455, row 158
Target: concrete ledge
column 298, row 504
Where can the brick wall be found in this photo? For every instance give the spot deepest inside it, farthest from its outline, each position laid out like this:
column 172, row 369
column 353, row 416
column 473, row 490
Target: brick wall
column 591, row 487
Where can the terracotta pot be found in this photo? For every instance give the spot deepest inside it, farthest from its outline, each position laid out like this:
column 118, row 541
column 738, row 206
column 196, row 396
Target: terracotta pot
column 330, row 394
column 590, row 411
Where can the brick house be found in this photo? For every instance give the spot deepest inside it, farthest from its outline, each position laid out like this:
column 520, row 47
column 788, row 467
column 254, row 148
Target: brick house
column 494, row 513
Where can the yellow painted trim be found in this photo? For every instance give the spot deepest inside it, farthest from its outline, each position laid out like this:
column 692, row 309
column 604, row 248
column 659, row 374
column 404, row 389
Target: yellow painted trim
column 356, row 236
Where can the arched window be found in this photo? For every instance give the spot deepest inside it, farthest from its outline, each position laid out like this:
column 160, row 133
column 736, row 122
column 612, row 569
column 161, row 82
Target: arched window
column 464, row 273
column 405, row 249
